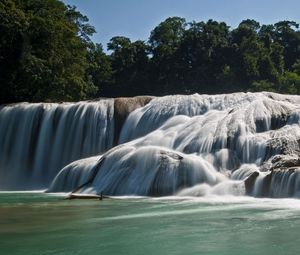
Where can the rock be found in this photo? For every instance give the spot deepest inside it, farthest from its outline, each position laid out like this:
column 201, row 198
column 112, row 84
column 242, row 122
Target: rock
column 265, row 192
column 285, row 161
column 249, row 183
column 123, row 106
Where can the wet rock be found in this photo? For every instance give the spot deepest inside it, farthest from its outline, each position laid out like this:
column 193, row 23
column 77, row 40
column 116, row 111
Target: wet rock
column 249, row 183
column 265, row 191
column 282, row 162
column 123, row 106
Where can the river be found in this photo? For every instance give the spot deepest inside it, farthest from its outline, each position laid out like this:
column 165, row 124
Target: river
column 39, row 223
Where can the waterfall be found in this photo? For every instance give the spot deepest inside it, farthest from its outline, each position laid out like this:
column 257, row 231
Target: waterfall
column 37, row 140
column 278, row 184
column 221, row 140
column 74, row 174
column 238, row 144
column 146, row 171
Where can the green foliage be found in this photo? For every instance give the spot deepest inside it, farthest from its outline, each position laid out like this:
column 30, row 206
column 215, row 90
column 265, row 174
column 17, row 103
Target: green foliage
column 165, row 40
column 129, row 62
column 203, row 50
column 296, row 67
column 207, row 57
column 45, row 44
column 286, row 35
column 99, row 72
column 46, row 55
column 262, row 85
column 290, row 83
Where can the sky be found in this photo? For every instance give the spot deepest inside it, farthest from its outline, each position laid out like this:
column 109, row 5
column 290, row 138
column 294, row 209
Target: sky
column 136, row 18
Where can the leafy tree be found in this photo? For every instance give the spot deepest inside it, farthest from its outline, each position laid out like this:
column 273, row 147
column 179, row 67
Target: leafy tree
column 290, row 83
column 247, row 49
column 48, row 45
column 251, row 24
column 296, row 67
column 130, row 66
column 262, row 85
column 13, row 23
column 203, row 51
column 46, row 54
column 99, row 71
column 165, row 40
column 286, row 35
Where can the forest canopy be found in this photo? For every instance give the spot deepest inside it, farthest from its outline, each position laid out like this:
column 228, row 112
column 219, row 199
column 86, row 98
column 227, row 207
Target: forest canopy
column 46, row 54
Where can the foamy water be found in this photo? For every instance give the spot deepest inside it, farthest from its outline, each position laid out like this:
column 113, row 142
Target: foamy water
column 194, row 145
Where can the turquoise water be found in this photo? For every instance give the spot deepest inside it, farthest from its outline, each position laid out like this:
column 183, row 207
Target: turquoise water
column 37, row 223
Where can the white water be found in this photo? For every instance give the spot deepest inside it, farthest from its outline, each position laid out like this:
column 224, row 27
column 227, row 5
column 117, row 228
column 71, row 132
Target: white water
column 74, row 174
column 285, row 184
column 197, row 145
column 148, row 170
column 221, row 139
column 37, row 140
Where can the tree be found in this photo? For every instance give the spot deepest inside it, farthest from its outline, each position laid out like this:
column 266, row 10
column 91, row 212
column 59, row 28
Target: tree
column 165, row 40
column 99, row 71
column 203, row 50
column 247, row 49
column 286, row 33
column 13, row 23
column 46, row 54
column 296, row 67
column 130, row 66
column 47, row 44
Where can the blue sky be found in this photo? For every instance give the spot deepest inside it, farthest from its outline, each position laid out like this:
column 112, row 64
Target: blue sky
column 136, row 18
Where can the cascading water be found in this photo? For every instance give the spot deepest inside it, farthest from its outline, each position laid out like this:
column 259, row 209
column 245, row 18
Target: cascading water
column 37, row 140
column 232, row 136
column 147, row 171
column 190, row 145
